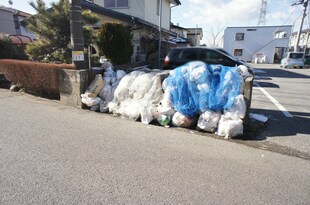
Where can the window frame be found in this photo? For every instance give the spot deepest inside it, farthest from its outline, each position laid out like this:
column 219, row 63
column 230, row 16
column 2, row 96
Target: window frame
column 238, row 50
column 116, row 4
column 239, row 36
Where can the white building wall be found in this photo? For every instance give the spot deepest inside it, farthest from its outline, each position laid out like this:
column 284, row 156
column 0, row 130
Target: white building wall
column 7, row 25
column 257, row 40
column 146, row 10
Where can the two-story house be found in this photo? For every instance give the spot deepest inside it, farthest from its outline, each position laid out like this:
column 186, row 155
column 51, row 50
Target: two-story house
column 142, row 16
column 10, row 24
column 259, row 43
column 304, row 41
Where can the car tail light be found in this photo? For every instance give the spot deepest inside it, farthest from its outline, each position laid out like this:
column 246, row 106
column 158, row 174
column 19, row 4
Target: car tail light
column 166, row 61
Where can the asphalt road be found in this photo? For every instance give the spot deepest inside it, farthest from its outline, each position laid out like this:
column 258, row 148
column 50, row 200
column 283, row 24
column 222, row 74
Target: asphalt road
column 283, row 96
column 54, row 154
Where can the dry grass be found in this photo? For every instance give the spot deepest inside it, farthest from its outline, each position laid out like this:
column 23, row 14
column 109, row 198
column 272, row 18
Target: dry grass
column 33, row 76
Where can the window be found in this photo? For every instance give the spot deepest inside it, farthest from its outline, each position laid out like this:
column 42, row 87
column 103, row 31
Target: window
column 116, row 3
column 238, row 52
column 251, row 29
column 239, row 37
column 280, row 34
column 189, row 55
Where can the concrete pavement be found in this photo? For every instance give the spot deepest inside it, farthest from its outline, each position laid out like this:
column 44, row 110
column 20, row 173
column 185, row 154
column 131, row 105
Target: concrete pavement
column 54, row 154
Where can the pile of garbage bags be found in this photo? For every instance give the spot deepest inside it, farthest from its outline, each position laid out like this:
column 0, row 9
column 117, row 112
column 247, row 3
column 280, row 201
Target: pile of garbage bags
column 195, row 94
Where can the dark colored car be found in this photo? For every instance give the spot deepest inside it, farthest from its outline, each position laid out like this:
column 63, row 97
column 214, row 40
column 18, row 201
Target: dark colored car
column 179, row 56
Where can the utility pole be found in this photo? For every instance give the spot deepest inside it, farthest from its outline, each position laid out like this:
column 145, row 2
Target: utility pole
column 77, row 38
column 305, row 4
column 159, row 30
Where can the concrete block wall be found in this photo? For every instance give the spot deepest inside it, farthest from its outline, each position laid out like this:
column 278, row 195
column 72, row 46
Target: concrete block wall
column 72, row 83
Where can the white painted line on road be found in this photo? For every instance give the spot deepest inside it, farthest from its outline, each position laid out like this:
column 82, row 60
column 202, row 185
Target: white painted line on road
column 272, row 99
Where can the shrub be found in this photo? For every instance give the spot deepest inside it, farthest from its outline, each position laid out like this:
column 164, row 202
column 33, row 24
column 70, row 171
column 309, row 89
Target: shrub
column 115, row 43
column 8, row 50
column 33, row 76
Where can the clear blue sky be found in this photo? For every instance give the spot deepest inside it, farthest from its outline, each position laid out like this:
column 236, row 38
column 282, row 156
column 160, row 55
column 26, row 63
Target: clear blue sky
column 214, row 15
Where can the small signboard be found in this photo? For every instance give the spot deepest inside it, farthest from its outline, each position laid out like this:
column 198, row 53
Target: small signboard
column 77, row 56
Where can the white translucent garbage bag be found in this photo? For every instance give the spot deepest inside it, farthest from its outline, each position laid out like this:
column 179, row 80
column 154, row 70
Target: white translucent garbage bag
column 103, row 106
column 151, row 100
column 238, row 110
column 146, row 114
column 180, row 120
column 155, row 92
column 113, row 106
column 229, row 127
column 90, row 101
column 244, row 71
column 106, row 93
column 141, row 85
column 165, row 107
column 134, row 106
column 120, row 74
column 129, row 109
column 122, row 91
column 208, row 121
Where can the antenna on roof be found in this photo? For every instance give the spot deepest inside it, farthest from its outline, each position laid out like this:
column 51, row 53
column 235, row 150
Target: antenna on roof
column 11, row 3
column 262, row 16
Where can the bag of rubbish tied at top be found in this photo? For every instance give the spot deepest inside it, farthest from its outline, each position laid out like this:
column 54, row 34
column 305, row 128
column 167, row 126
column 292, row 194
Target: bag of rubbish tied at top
column 229, row 127
column 180, row 120
column 238, row 110
column 208, row 120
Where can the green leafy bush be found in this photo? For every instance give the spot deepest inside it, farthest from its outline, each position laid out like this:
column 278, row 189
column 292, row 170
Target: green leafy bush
column 52, row 26
column 8, row 50
column 115, row 42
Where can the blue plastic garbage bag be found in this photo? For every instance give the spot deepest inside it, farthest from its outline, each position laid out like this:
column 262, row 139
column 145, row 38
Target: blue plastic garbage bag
column 196, row 87
column 181, row 98
column 225, row 87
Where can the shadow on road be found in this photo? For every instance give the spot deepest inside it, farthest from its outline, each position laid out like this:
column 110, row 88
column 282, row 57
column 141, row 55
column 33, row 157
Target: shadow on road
column 278, row 125
column 268, row 85
column 281, row 73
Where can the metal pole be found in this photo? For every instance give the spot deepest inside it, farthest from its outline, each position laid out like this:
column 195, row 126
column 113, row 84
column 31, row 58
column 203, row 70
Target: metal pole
column 159, row 30
column 77, row 38
column 301, row 25
column 196, row 35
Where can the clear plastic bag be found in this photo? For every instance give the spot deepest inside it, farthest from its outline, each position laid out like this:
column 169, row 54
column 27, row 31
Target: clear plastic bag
column 238, row 110
column 208, row 121
column 180, row 120
column 230, row 127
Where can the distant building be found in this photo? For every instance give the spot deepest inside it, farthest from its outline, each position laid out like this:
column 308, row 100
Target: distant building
column 195, row 34
column 142, row 16
column 259, row 43
column 10, row 21
column 180, row 38
column 304, row 41
column 187, row 36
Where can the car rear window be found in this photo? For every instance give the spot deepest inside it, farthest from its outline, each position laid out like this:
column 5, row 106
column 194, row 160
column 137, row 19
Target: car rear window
column 183, row 55
column 296, row 55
